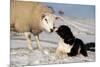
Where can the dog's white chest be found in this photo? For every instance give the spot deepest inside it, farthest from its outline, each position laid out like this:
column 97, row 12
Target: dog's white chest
column 64, row 47
column 68, row 47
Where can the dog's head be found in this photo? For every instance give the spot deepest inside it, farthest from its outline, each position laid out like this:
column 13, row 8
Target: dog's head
column 64, row 32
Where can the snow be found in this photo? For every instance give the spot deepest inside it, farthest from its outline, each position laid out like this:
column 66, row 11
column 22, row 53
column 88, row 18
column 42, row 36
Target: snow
column 21, row 56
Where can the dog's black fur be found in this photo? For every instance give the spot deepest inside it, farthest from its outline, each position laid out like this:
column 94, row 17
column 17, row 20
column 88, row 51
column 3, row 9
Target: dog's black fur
column 65, row 33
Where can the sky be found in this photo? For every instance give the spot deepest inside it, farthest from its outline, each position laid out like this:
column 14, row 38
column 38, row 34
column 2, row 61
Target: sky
column 74, row 10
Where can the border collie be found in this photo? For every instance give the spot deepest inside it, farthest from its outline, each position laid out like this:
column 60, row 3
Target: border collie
column 69, row 44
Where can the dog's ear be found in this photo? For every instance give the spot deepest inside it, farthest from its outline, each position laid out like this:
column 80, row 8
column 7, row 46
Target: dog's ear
column 69, row 41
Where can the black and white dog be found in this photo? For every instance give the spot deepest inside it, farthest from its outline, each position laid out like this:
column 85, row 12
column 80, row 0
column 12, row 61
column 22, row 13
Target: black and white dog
column 69, row 43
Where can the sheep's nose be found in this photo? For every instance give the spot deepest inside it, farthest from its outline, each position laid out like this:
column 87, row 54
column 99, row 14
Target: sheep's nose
column 51, row 30
column 54, row 27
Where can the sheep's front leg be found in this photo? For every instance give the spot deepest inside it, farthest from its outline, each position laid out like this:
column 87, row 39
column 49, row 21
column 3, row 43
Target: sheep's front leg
column 39, row 46
column 28, row 38
column 38, row 42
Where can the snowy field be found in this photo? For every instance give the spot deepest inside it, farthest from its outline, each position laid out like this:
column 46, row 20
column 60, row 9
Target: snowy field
column 21, row 56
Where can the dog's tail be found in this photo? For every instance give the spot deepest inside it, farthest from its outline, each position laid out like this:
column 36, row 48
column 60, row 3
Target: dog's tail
column 87, row 47
column 90, row 46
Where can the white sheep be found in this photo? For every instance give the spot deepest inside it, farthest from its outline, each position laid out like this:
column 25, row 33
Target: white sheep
column 31, row 18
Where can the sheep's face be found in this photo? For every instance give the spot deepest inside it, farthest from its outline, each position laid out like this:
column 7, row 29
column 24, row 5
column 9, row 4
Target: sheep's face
column 48, row 22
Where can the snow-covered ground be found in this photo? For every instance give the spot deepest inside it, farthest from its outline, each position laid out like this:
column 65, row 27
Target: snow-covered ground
column 21, row 56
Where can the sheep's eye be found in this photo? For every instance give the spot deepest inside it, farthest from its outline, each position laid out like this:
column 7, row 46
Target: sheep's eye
column 46, row 20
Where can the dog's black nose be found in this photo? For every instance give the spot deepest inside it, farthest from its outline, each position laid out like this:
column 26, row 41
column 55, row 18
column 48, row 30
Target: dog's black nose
column 51, row 30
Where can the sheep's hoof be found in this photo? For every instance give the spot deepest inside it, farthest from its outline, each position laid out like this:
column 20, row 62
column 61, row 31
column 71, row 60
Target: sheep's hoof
column 44, row 51
column 30, row 48
column 40, row 48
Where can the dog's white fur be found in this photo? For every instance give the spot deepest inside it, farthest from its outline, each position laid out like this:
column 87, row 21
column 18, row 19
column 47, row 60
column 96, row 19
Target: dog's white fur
column 62, row 49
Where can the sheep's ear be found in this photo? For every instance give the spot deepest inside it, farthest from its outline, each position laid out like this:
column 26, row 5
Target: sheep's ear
column 43, row 15
column 57, row 18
